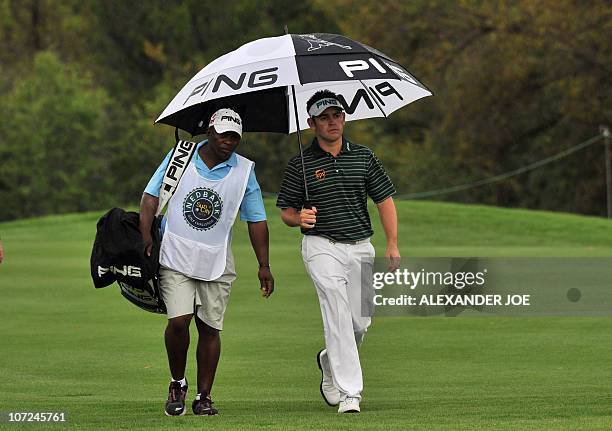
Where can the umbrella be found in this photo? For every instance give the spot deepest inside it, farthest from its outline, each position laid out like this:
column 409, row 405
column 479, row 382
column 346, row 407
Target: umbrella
column 269, row 80
column 262, row 78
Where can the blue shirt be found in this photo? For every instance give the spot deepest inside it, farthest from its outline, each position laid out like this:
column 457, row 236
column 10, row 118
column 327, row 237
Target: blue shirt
column 251, row 208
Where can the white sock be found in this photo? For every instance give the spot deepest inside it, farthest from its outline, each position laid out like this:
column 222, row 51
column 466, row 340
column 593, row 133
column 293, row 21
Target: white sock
column 183, row 381
column 199, row 396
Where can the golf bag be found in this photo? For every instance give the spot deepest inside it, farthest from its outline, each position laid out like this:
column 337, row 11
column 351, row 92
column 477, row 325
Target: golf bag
column 118, row 255
column 118, row 251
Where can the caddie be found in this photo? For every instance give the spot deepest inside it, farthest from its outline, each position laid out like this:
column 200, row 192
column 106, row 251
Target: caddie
column 341, row 175
column 197, row 265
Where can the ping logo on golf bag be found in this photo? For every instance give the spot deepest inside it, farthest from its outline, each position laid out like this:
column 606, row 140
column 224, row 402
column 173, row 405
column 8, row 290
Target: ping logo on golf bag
column 125, row 270
column 183, row 150
column 139, row 294
column 202, row 208
column 146, row 297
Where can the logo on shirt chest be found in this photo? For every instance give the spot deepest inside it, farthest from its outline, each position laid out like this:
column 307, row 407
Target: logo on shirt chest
column 202, row 208
column 319, row 174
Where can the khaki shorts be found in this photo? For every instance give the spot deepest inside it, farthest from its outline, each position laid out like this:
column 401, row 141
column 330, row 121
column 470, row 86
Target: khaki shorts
column 187, row 296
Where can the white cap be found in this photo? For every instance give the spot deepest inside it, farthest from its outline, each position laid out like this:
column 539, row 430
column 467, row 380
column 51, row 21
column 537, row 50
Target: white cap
column 226, row 120
column 319, row 106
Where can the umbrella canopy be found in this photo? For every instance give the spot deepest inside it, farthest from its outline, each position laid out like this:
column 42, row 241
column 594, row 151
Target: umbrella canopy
column 259, row 80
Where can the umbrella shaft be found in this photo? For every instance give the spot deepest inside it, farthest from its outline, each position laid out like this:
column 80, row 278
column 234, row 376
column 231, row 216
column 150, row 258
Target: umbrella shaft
column 297, row 124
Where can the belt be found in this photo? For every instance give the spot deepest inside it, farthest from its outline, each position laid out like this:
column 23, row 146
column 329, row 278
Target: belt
column 332, row 241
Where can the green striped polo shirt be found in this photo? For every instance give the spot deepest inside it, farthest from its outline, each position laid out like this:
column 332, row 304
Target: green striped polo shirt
column 338, row 187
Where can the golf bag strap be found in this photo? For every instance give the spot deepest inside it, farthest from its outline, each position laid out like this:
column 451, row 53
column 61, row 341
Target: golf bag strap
column 181, row 155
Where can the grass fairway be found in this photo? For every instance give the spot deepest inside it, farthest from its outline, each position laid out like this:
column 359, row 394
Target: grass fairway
column 89, row 353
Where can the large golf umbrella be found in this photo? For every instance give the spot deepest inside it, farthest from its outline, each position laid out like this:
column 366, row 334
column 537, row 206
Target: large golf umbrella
column 268, row 80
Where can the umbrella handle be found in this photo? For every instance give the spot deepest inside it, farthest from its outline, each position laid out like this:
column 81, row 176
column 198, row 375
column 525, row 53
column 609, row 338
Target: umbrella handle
column 307, row 206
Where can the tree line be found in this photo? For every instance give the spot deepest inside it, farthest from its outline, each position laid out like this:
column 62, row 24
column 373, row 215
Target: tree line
column 514, row 81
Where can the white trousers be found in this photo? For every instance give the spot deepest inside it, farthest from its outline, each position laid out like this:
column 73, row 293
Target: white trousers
column 336, row 270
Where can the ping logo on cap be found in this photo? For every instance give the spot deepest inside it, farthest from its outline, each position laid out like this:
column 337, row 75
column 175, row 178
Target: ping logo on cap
column 326, row 102
column 230, row 118
column 226, row 120
column 321, row 105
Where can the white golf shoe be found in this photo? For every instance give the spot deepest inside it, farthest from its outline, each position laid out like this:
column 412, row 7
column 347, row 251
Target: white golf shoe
column 329, row 392
column 349, row 405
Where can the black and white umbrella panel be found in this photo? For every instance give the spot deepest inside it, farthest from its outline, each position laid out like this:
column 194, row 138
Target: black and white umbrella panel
column 258, row 80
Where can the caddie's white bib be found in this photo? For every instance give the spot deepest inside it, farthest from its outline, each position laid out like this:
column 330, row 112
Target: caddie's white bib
column 200, row 217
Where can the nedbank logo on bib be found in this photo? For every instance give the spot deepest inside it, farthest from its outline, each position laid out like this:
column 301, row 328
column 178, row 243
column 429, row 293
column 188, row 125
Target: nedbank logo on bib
column 202, row 208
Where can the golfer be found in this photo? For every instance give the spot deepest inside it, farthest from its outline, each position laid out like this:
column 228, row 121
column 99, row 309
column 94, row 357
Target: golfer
column 197, row 265
column 336, row 243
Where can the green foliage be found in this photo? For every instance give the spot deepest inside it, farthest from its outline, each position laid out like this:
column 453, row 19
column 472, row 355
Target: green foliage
column 514, row 82
column 171, row 40
column 52, row 152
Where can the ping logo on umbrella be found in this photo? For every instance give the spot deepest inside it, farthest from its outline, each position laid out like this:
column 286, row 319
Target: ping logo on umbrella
column 202, row 208
column 368, row 83
column 257, row 79
column 318, row 43
column 348, row 67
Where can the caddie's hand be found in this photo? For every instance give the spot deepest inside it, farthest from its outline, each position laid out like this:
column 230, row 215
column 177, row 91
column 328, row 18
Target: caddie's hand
column 148, row 245
column 393, row 257
column 266, row 281
column 308, row 217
